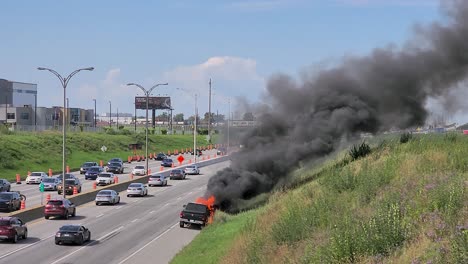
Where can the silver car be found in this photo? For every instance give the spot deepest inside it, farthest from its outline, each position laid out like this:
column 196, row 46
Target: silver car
column 192, row 169
column 107, row 197
column 157, row 180
column 138, row 189
column 36, row 177
column 51, row 183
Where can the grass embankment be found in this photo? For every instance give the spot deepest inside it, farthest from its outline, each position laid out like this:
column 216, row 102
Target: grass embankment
column 402, row 203
column 23, row 152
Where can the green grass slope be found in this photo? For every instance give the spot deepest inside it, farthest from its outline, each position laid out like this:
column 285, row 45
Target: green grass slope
column 23, row 152
column 402, row 203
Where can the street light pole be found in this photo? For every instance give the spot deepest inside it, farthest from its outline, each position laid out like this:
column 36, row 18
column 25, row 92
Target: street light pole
column 209, row 115
column 147, row 93
column 229, row 120
column 110, row 114
column 64, row 82
column 194, row 127
column 95, row 119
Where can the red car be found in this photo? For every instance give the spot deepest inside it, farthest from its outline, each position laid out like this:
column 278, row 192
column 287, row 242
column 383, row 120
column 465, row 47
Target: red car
column 59, row 207
column 12, row 228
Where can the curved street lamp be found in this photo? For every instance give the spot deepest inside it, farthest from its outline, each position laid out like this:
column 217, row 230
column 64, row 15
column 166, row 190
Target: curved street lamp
column 64, row 82
column 147, row 93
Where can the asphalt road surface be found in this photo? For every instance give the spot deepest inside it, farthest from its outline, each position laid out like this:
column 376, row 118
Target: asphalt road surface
column 34, row 197
column 138, row 230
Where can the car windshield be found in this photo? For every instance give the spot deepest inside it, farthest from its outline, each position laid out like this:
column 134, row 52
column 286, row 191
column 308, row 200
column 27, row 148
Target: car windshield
column 190, row 167
column 36, row 174
column 94, row 169
column 69, row 181
column 161, row 155
column 88, row 164
column 140, row 167
column 115, row 164
column 4, row 222
column 196, row 207
column 72, row 228
column 5, row 195
column 48, row 180
column 133, row 185
column 115, row 160
column 105, row 175
column 104, row 193
column 167, row 160
column 55, row 202
column 176, row 171
column 155, row 177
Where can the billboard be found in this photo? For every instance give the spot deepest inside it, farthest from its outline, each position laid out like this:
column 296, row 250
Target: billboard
column 153, row 102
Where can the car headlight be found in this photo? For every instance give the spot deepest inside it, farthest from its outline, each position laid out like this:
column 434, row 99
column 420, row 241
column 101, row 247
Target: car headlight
column 57, row 234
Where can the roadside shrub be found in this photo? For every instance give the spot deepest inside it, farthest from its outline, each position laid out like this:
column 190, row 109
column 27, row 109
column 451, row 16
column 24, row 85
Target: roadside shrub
column 202, row 131
column 448, row 199
column 340, row 180
column 405, row 137
column 121, row 127
column 164, row 131
column 359, row 151
column 451, row 136
column 459, row 245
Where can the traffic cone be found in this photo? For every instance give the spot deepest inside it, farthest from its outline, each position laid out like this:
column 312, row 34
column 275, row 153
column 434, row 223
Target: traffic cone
column 75, row 190
column 50, row 172
column 116, row 180
column 100, row 163
column 94, row 185
column 131, row 176
column 29, row 173
column 129, row 159
column 68, row 169
column 18, row 179
column 208, row 156
column 151, row 156
column 161, row 168
column 47, row 198
column 23, row 204
column 172, row 166
column 190, row 161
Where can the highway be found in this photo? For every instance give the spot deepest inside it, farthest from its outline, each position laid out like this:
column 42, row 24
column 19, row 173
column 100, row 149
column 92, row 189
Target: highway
column 34, row 196
column 138, row 230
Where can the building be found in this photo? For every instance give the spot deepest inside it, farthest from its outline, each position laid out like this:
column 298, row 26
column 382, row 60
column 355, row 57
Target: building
column 18, row 100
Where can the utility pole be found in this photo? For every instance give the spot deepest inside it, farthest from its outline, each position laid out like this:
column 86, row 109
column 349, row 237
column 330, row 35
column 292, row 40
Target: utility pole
column 135, row 118
column 110, row 114
column 209, row 115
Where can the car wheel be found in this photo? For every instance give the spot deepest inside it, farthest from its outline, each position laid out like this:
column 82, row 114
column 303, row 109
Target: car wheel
column 128, row 195
column 81, row 240
column 25, row 235
column 89, row 237
column 66, row 216
column 46, row 217
column 181, row 224
column 74, row 212
column 118, row 201
column 97, row 204
column 57, row 242
column 15, row 238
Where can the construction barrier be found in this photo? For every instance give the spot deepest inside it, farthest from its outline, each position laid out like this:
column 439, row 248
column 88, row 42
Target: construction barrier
column 94, row 185
column 50, row 172
column 129, row 159
column 116, row 179
column 151, row 155
column 161, row 168
column 149, row 171
column 18, row 179
column 75, row 190
column 172, row 166
column 68, row 169
column 47, row 197
column 23, row 204
column 131, row 176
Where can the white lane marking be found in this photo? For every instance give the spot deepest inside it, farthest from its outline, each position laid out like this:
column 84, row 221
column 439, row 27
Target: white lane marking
column 30, row 245
column 97, row 216
column 118, row 207
column 89, row 244
column 134, row 220
column 152, row 212
column 147, row 244
column 189, row 193
column 167, row 204
column 178, row 198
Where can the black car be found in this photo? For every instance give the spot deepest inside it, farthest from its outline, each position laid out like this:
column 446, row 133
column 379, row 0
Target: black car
column 72, row 234
column 70, row 184
column 177, row 174
column 84, row 168
column 167, row 163
column 199, row 152
column 115, row 167
column 93, row 173
column 4, row 185
column 160, row 156
column 221, row 151
column 113, row 160
column 10, row 201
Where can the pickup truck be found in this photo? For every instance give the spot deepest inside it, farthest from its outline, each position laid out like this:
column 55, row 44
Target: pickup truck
column 194, row 214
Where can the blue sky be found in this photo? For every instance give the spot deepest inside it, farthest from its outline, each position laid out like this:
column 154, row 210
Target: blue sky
column 237, row 43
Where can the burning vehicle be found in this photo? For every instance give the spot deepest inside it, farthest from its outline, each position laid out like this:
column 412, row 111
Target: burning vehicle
column 200, row 213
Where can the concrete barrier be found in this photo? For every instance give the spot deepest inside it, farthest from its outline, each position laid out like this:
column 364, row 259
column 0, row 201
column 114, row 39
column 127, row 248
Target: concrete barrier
column 82, row 198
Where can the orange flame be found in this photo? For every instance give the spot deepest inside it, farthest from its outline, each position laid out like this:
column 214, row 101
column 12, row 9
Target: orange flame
column 210, row 204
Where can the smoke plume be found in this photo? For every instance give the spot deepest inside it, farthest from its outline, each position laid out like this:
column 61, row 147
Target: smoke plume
column 307, row 119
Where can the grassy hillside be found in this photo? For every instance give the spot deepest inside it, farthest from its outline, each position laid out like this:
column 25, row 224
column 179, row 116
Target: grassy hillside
column 21, row 152
column 402, row 203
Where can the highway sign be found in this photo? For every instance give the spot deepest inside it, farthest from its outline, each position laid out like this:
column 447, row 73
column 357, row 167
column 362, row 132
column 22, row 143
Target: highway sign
column 180, row 158
column 104, row 148
column 41, row 187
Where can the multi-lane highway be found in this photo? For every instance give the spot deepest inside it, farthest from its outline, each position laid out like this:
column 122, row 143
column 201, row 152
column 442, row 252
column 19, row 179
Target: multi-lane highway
column 34, row 197
column 138, row 230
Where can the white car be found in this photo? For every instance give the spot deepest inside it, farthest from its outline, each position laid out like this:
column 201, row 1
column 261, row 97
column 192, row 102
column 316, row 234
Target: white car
column 139, row 170
column 138, row 189
column 36, row 177
column 105, row 178
column 192, row 169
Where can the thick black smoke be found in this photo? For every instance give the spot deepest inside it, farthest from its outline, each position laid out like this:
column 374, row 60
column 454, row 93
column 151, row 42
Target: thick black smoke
column 387, row 89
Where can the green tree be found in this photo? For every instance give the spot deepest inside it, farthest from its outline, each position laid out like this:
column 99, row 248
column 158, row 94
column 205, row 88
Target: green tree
column 179, row 118
column 248, row 116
